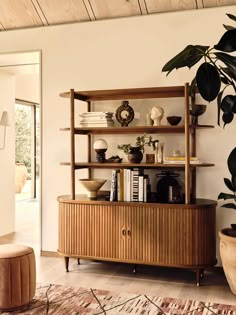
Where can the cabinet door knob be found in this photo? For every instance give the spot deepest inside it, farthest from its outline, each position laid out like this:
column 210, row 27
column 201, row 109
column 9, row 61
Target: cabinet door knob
column 124, row 232
column 129, row 232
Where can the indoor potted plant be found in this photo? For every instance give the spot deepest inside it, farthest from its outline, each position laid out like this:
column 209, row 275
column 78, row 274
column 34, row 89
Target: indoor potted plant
column 135, row 153
column 216, row 73
column 228, row 235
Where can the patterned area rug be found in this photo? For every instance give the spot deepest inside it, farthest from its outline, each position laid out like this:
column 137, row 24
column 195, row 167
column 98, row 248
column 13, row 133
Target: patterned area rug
column 61, row 300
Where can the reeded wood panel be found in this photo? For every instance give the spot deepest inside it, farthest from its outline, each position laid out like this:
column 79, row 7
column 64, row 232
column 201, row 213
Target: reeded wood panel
column 151, row 234
column 89, row 231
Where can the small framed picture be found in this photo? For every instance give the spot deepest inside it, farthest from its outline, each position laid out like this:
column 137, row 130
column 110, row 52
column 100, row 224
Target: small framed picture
column 150, row 158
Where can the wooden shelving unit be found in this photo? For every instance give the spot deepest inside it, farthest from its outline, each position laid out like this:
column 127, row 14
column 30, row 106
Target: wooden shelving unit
column 138, row 232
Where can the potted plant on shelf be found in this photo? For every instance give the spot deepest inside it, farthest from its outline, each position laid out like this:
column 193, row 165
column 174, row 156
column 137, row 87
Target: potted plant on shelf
column 135, row 153
column 228, row 235
column 217, row 73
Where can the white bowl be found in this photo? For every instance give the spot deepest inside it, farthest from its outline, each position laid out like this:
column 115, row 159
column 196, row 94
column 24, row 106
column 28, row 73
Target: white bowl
column 92, row 186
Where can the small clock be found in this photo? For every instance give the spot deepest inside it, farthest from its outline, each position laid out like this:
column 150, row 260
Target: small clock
column 124, row 114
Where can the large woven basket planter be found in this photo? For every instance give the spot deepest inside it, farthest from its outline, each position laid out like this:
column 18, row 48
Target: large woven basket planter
column 228, row 256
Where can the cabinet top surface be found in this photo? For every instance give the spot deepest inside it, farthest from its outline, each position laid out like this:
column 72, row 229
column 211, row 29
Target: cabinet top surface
column 119, row 94
column 84, row 199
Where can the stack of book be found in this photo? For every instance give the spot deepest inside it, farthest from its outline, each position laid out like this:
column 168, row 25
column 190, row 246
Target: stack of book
column 129, row 185
column 180, row 160
column 96, row 119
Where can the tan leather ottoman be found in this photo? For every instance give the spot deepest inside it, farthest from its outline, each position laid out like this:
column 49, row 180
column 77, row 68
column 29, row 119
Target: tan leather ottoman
column 17, row 276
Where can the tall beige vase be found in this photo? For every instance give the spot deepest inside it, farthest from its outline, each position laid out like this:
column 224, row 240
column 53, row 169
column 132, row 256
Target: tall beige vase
column 21, row 175
column 228, row 256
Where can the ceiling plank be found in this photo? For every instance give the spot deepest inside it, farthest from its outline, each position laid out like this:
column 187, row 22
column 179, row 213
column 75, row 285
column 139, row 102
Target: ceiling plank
column 217, row 3
column 199, row 4
column 89, row 10
column 115, row 8
column 143, row 6
column 61, row 11
column 154, row 6
column 18, row 14
column 40, row 12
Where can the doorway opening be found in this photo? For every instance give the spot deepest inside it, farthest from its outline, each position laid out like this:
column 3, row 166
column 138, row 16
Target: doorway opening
column 24, row 71
column 27, row 130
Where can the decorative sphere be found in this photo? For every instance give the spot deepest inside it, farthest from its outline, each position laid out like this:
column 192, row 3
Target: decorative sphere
column 100, row 144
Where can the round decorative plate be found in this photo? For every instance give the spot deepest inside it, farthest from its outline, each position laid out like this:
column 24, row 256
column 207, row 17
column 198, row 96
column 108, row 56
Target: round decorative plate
column 124, row 114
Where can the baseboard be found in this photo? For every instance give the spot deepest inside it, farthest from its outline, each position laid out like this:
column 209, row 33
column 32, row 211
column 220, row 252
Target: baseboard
column 46, row 253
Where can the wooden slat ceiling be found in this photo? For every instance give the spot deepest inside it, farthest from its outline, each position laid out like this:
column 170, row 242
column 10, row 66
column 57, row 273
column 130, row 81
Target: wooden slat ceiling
column 15, row 14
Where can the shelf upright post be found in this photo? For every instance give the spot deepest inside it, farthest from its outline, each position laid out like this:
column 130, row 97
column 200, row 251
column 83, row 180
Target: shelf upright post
column 72, row 142
column 187, row 145
column 89, row 141
column 194, row 153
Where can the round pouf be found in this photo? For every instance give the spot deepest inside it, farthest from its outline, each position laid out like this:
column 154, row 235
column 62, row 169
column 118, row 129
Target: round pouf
column 17, row 276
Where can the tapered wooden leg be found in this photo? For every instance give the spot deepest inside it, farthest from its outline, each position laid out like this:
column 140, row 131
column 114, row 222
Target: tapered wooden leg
column 198, row 274
column 78, row 261
column 67, row 263
column 202, row 273
column 134, row 269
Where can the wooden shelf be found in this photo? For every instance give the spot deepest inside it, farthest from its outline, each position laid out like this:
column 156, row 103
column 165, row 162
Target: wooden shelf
column 133, row 129
column 121, row 94
column 132, row 165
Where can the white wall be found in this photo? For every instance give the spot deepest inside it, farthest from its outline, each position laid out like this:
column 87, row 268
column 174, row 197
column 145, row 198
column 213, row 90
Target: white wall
column 27, row 87
column 7, row 156
column 121, row 53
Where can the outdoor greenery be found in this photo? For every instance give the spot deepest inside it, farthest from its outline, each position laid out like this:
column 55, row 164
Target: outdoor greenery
column 23, row 136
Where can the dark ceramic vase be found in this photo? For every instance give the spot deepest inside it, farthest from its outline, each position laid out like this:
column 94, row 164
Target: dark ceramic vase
column 135, row 155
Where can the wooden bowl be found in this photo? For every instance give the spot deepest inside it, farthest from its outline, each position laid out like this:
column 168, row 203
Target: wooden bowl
column 92, row 186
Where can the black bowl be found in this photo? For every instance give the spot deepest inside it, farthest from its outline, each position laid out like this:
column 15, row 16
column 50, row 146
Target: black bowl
column 198, row 109
column 173, row 120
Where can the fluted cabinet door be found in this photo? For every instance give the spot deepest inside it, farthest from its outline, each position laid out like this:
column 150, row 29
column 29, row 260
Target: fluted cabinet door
column 88, row 231
column 142, row 234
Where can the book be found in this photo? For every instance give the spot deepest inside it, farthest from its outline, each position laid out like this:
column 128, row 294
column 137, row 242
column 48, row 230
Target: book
column 181, row 162
column 141, row 188
column 113, row 192
column 120, row 185
column 179, row 158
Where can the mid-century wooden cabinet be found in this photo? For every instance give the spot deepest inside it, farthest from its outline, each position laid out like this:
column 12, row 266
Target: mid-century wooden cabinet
column 178, row 235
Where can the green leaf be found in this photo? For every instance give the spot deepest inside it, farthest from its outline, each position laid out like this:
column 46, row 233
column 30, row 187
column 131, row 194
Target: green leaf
column 231, row 16
column 232, row 162
column 225, row 196
column 227, row 118
column 208, row 81
column 228, row 27
column 227, row 42
column 192, row 87
column 186, row 58
column 229, row 206
column 228, row 184
column 227, row 103
column 233, row 181
column 227, row 59
column 224, row 80
column 231, row 72
column 219, row 97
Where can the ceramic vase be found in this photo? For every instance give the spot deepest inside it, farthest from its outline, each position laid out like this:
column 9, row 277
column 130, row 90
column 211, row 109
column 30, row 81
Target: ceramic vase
column 135, row 155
